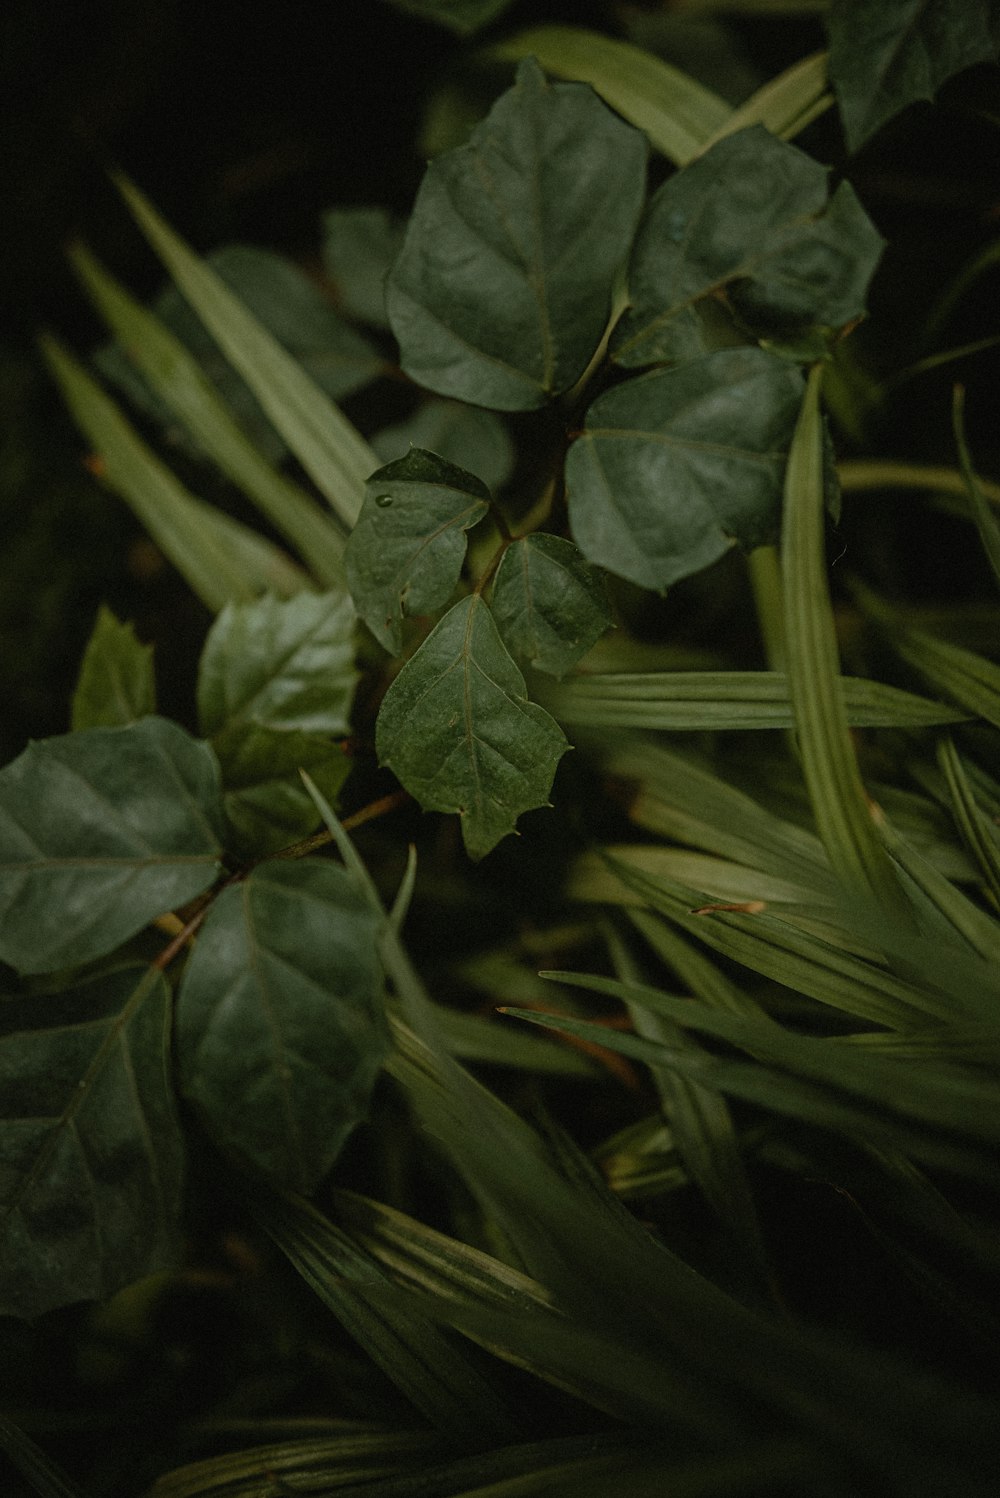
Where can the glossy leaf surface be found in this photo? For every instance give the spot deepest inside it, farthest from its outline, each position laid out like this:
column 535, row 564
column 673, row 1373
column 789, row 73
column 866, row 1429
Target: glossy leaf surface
column 91, row 1150
column 405, row 554
column 885, row 56
column 457, row 729
column 677, row 466
column 549, row 605
column 100, row 832
column 280, row 1026
column 503, row 287
column 285, row 664
column 752, row 218
column 266, row 805
column 116, row 684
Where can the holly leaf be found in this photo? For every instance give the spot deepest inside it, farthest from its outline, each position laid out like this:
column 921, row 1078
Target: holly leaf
column 116, row 684
column 549, row 605
column 458, row 730
column 282, row 663
column 752, row 218
column 475, row 439
column 405, row 554
column 91, row 1151
column 267, row 807
column 99, row 832
column 281, row 1030
column 503, row 287
column 677, row 466
column 886, row 56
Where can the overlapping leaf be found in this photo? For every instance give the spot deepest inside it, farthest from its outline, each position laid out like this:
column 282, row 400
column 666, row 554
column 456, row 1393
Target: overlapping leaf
column 359, row 246
column 89, row 1139
column 676, row 466
column 459, row 732
column 503, row 288
column 550, row 605
column 267, row 807
column 475, row 439
column 752, row 218
column 100, row 832
column 885, row 56
column 280, row 1025
column 405, row 554
column 116, row 684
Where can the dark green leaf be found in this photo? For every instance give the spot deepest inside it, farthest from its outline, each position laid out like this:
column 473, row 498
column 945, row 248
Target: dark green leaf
column 475, row 439
column 91, row 1149
column 550, row 605
column 280, row 1026
column 406, row 552
column 751, row 218
column 885, row 56
column 675, row 467
column 503, row 288
column 290, row 307
column 359, row 246
column 115, row 685
column 457, row 729
column 282, row 663
column 100, row 832
column 463, row 16
column 267, row 807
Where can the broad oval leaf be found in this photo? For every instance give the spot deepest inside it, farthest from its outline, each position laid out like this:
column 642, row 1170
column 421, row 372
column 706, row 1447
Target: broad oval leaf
column 549, row 605
column 752, row 218
column 91, row 1155
column 675, row 467
column 503, row 288
column 359, row 246
column 266, row 805
column 475, row 439
column 405, row 554
column 100, row 832
column 284, row 663
column 116, row 684
column 885, row 56
column 281, row 1030
column 458, row 730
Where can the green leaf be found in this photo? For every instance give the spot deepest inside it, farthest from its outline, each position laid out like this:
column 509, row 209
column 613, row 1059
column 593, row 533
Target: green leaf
column 462, row 16
column 116, row 684
column 330, row 449
column 280, row 663
column 180, row 391
column 504, row 285
column 46, row 1478
column 457, row 729
column 280, row 1025
column 676, row 466
column 220, row 559
column 678, row 114
column 753, row 219
column 91, row 1145
column 405, row 555
column 986, row 522
column 476, row 440
column 787, row 104
column 100, row 832
column 359, row 246
column 266, row 805
column 549, row 605
column 884, row 57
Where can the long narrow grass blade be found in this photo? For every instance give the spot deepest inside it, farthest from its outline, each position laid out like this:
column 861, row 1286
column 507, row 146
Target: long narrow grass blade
column 975, row 827
column 330, row 449
column 705, row 701
column 429, row 1368
column 177, row 377
column 986, row 521
column 829, row 763
column 48, row 1480
column 786, row 104
column 678, row 114
column 857, row 475
column 222, row 560
column 971, row 680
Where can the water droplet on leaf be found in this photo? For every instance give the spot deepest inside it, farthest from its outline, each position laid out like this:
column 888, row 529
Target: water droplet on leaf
column 383, row 501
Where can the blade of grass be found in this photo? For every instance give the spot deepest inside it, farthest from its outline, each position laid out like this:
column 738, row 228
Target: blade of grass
column 361, row 1453
column 178, row 378
column 678, row 114
column 330, row 449
column 986, row 522
column 829, row 764
column 48, row 1480
column 786, row 104
column 222, row 560
column 973, row 824
column 857, row 475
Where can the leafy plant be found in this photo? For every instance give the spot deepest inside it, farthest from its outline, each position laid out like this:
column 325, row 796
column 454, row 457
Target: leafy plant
column 769, row 968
